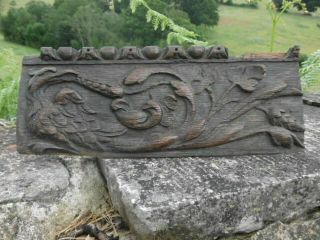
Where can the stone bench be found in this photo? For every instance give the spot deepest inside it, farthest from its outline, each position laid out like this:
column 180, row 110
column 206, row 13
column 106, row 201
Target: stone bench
column 252, row 197
column 154, row 102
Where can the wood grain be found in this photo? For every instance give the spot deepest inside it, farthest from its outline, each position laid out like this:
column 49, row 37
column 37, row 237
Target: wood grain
column 156, row 103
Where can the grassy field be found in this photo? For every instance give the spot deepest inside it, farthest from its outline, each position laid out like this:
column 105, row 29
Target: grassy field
column 18, row 51
column 10, row 66
column 245, row 30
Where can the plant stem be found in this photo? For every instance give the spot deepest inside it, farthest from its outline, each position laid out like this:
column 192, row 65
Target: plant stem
column 273, row 34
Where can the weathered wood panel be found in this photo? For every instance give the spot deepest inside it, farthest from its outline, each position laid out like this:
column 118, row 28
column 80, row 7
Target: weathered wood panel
column 151, row 103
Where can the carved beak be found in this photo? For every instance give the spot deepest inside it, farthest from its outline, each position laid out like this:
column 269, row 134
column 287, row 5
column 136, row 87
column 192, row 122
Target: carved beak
column 119, row 104
column 68, row 94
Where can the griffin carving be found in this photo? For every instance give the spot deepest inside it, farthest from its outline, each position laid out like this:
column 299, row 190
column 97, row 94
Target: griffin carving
column 157, row 108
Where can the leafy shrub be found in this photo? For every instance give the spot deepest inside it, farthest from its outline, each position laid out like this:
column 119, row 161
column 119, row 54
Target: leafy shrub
column 302, row 58
column 310, row 72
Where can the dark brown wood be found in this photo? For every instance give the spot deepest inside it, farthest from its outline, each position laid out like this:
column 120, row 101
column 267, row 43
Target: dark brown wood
column 154, row 102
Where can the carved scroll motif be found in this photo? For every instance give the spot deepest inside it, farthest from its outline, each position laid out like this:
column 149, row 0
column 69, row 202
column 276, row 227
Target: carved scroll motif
column 144, row 120
column 133, row 53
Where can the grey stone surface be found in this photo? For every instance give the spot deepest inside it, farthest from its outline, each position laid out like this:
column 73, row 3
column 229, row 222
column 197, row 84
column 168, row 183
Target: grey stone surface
column 209, row 198
column 40, row 195
column 311, row 99
column 302, row 229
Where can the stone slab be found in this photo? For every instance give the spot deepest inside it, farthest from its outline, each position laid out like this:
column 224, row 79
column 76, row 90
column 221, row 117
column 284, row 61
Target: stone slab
column 312, row 99
column 41, row 195
column 208, row 198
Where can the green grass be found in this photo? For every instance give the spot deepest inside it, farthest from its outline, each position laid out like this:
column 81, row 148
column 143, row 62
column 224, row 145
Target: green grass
column 245, row 30
column 10, row 67
column 18, row 51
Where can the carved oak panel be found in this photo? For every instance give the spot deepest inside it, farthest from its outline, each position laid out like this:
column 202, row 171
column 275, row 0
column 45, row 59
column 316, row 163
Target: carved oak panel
column 173, row 105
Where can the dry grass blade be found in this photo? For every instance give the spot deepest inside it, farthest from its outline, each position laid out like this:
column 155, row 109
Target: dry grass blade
column 104, row 220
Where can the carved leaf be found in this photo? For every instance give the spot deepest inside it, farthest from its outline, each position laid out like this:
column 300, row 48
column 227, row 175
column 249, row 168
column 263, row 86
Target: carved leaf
column 183, row 90
column 247, row 78
column 272, row 91
column 160, row 143
column 139, row 75
column 289, row 92
column 256, row 72
column 195, row 131
column 248, row 85
column 42, row 71
column 224, row 134
column 149, row 143
column 283, row 137
column 279, row 117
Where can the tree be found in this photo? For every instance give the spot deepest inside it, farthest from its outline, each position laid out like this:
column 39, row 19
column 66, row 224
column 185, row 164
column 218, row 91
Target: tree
column 201, row 11
column 92, row 23
column 93, row 27
column 14, row 23
column 59, row 22
column 164, row 23
column 135, row 25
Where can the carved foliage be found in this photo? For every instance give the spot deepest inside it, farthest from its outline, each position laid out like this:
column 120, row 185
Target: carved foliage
column 157, row 108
